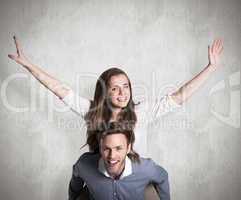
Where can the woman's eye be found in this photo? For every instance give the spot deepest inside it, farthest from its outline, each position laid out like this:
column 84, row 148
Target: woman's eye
column 126, row 86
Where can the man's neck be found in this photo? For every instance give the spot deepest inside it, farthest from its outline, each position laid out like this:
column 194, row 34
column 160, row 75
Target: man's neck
column 116, row 177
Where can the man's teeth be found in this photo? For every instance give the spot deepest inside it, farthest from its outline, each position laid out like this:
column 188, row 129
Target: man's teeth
column 113, row 162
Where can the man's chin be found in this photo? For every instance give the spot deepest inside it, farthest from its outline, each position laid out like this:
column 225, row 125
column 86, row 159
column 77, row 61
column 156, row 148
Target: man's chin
column 112, row 170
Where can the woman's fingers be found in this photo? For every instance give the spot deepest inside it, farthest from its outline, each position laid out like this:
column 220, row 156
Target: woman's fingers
column 12, row 56
column 220, row 47
column 19, row 57
column 217, row 46
column 220, row 50
column 209, row 51
column 213, row 46
column 18, row 47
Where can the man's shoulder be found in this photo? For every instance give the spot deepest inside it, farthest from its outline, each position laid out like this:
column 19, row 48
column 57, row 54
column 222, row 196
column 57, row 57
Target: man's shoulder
column 146, row 161
column 86, row 164
column 146, row 164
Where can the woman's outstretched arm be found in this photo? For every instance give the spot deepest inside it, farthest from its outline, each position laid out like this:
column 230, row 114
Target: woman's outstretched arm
column 47, row 80
column 184, row 92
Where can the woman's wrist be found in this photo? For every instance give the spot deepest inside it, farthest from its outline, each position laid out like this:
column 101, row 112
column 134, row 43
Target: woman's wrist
column 212, row 67
column 28, row 66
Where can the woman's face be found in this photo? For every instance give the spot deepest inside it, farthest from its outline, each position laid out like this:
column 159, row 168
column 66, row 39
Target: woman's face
column 119, row 91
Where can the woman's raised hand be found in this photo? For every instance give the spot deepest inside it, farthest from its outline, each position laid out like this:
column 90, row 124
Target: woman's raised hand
column 43, row 77
column 20, row 58
column 214, row 52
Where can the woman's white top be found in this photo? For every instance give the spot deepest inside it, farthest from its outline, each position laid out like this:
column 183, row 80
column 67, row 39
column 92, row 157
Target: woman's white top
column 144, row 111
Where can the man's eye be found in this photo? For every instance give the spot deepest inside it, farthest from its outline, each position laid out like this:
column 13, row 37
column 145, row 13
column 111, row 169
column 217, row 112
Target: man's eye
column 126, row 86
column 106, row 151
column 119, row 148
column 113, row 89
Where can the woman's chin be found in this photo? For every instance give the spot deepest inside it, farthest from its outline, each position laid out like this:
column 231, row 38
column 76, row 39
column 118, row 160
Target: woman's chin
column 120, row 105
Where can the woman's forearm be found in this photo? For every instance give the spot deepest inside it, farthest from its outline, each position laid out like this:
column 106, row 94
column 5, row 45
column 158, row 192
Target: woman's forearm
column 186, row 91
column 48, row 81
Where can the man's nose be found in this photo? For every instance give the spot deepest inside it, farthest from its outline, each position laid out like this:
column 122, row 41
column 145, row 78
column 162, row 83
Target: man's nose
column 111, row 154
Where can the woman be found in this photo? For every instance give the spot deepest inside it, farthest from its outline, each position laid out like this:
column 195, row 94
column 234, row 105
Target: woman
column 113, row 97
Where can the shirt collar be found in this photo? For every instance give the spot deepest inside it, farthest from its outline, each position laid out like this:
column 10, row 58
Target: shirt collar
column 127, row 170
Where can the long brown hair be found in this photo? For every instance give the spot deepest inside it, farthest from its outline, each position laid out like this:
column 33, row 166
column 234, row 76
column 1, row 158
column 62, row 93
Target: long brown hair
column 100, row 109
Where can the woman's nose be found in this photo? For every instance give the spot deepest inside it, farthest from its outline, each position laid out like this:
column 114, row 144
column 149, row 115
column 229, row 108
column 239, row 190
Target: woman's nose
column 121, row 91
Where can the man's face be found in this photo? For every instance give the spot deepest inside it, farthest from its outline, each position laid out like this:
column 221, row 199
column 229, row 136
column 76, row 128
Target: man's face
column 114, row 149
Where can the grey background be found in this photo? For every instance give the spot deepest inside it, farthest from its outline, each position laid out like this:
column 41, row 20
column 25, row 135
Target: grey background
column 160, row 44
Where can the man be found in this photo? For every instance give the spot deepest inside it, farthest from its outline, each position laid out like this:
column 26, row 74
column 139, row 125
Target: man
column 117, row 172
